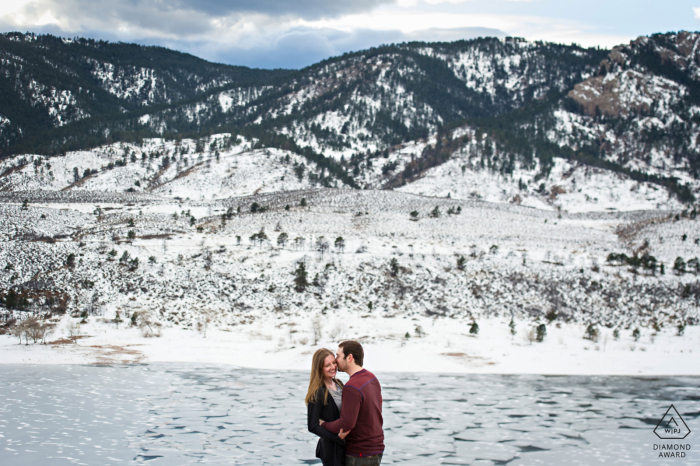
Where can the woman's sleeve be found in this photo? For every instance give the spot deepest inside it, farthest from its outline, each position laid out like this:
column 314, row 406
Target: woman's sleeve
column 314, row 414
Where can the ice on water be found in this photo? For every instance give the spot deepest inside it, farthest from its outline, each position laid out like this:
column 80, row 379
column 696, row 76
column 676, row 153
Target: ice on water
column 172, row 414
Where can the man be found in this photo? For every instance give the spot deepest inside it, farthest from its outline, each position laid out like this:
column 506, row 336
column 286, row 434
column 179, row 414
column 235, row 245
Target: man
column 362, row 409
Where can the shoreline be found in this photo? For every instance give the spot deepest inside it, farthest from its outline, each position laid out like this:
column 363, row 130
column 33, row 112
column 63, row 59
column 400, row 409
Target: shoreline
column 445, row 347
column 343, row 376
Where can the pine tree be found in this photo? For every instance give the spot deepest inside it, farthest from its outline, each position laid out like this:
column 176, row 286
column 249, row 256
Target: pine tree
column 124, row 258
column 591, row 333
column 679, row 266
column 282, row 239
column 680, row 328
column 474, row 329
column 300, row 277
column 394, row 267
column 541, row 332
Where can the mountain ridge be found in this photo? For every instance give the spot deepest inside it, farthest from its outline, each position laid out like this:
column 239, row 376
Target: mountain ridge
column 528, row 103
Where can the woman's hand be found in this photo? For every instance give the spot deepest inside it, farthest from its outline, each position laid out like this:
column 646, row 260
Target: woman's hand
column 342, row 434
column 320, row 422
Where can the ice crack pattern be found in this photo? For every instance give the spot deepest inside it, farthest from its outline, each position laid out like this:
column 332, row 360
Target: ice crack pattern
column 172, row 414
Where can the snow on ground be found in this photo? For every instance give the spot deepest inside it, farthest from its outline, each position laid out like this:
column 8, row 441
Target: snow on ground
column 243, row 174
column 477, row 249
column 225, row 169
column 445, row 347
column 569, row 187
column 517, row 261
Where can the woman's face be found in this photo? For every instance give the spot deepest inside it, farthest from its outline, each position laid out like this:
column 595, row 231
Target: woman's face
column 330, row 367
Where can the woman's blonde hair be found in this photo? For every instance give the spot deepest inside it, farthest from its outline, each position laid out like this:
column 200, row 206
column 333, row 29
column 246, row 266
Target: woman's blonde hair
column 316, row 378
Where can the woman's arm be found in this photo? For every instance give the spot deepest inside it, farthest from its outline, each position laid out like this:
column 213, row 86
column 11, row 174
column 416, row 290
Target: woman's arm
column 314, row 415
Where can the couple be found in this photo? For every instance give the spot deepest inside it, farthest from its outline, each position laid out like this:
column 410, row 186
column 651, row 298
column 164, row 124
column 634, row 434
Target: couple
column 348, row 418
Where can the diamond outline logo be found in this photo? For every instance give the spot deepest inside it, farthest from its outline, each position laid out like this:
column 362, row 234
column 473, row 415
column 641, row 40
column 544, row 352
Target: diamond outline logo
column 672, row 424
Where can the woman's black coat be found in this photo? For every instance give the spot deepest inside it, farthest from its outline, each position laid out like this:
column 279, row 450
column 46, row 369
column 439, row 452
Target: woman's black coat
column 330, row 448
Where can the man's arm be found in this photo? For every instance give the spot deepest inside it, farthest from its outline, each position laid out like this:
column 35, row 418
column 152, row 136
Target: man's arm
column 314, row 414
column 352, row 399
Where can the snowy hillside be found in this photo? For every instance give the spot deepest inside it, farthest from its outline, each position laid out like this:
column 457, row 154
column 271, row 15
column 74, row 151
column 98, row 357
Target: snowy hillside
column 570, row 187
column 227, row 167
column 417, row 191
column 51, row 82
column 390, row 262
column 373, row 118
column 513, row 257
column 368, row 101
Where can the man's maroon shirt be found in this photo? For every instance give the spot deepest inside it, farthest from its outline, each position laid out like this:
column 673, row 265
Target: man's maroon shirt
column 361, row 414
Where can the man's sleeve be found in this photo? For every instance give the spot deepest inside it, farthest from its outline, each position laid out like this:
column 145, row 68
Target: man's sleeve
column 314, row 414
column 352, row 399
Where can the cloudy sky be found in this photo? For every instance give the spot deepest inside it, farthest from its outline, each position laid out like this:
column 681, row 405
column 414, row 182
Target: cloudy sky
column 297, row 33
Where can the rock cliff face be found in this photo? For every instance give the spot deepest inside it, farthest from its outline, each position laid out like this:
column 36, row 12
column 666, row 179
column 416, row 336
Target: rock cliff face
column 627, row 80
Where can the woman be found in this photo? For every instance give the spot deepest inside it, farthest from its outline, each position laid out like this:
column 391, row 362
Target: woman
column 323, row 401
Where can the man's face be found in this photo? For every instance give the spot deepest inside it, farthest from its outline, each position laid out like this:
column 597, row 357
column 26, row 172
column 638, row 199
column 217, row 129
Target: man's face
column 340, row 359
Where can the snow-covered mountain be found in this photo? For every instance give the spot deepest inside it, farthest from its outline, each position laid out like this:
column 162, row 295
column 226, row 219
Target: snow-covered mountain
column 630, row 112
column 50, row 82
column 484, row 179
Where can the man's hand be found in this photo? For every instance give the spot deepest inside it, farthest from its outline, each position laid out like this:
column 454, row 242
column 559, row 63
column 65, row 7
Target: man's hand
column 343, row 435
column 320, row 422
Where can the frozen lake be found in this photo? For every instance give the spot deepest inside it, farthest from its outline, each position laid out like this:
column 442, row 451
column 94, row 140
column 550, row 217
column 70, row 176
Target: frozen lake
column 171, row 414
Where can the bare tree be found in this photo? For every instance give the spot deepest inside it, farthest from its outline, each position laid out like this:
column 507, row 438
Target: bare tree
column 532, row 335
column 335, row 332
column 72, row 329
column 49, row 329
column 36, row 329
column 18, row 330
column 149, row 325
column 206, row 319
column 317, row 328
column 322, row 245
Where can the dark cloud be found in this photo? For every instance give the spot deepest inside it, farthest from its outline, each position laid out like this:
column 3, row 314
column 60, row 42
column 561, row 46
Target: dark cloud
column 307, row 9
column 189, row 16
column 121, row 17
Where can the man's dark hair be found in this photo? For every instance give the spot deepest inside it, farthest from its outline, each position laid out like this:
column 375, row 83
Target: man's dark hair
column 355, row 348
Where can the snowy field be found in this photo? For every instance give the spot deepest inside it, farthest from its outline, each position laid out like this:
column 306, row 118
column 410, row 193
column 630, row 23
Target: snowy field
column 186, row 414
column 178, row 255
column 214, row 299
column 445, row 347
